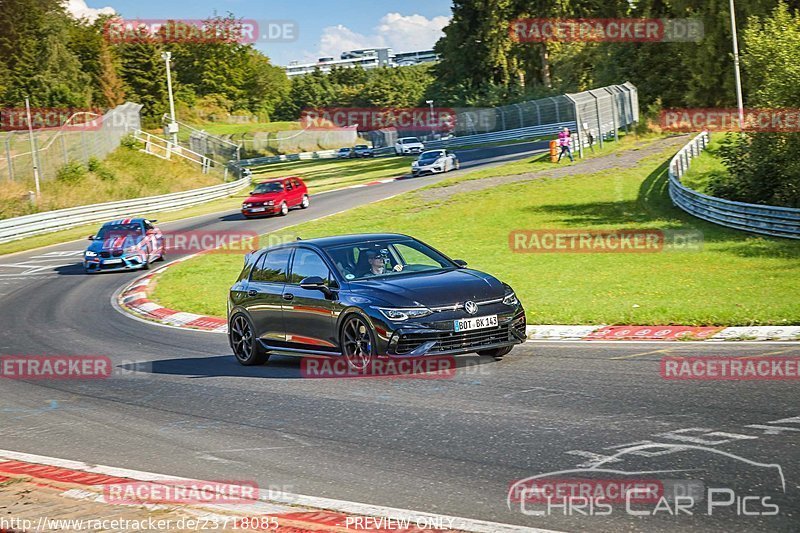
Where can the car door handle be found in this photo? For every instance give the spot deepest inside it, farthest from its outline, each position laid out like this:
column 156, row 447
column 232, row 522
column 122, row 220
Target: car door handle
column 288, row 296
column 252, row 292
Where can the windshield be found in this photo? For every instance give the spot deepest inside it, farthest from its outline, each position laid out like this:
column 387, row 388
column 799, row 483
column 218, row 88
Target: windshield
column 109, row 231
column 431, row 156
column 410, row 140
column 272, row 186
column 362, row 147
column 368, row 260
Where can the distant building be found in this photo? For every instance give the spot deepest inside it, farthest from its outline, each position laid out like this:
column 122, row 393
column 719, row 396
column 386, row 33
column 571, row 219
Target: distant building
column 367, row 58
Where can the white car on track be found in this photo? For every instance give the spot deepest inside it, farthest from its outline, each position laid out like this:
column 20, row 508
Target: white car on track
column 435, row 162
column 408, row 145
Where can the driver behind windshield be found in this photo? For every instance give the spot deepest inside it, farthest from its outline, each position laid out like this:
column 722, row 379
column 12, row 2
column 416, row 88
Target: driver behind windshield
column 377, row 264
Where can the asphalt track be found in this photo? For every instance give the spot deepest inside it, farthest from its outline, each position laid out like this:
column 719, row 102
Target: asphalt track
column 179, row 404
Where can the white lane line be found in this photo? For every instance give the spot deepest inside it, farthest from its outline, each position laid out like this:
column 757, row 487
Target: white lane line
column 343, row 506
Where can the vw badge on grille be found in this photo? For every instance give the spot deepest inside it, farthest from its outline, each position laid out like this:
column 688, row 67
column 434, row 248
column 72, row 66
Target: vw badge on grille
column 470, row 307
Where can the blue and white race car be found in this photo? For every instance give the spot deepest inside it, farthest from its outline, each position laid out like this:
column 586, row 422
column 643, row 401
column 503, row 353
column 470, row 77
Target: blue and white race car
column 125, row 244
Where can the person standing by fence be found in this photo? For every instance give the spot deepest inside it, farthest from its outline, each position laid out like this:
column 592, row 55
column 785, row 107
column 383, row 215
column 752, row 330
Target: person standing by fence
column 565, row 141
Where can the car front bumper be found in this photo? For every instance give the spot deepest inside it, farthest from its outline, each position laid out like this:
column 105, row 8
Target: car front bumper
column 261, row 210
column 428, row 169
column 426, row 337
column 112, row 264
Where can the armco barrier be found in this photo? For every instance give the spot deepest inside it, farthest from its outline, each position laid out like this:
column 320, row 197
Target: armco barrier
column 763, row 219
column 467, row 140
column 25, row 226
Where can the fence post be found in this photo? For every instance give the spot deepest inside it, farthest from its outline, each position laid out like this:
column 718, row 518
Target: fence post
column 614, row 116
column 538, row 113
column 578, row 124
column 521, row 118
column 597, row 114
column 555, row 105
column 8, row 158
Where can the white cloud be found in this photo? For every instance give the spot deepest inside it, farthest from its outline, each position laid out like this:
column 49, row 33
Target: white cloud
column 79, row 9
column 399, row 32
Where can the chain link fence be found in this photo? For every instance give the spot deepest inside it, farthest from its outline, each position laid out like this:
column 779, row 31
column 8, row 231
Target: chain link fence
column 596, row 114
column 53, row 148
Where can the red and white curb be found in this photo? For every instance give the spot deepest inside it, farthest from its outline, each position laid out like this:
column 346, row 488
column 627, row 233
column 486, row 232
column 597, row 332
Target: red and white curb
column 287, row 508
column 663, row 333
column 134, row 299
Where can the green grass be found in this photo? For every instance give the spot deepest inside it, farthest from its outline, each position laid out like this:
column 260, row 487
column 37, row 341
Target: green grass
column 219, row 128
column 326, row 174
column 705, row 167
column 737, row 279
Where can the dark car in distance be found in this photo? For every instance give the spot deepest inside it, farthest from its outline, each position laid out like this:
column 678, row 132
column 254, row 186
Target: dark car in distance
column 362, row 150
column 365, row 296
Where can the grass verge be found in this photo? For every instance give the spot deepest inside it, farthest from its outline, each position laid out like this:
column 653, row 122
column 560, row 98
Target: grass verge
column 736, row 279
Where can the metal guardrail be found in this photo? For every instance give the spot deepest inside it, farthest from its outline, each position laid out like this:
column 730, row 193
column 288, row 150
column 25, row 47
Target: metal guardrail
column 26, row 226
column 763, row 219
column 467, row 140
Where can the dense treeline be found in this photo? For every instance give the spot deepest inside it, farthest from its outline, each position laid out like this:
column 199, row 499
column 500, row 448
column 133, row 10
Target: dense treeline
column 59, row 61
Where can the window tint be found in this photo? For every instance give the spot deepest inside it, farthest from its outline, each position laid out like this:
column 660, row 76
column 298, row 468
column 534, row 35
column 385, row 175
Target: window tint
column 272, row 266
column 308, row 263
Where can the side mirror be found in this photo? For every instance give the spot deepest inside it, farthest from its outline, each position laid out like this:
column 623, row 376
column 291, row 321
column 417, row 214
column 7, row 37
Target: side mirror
column 315, row 283
column 252, row 192
column 90, row 237
column 460, row 262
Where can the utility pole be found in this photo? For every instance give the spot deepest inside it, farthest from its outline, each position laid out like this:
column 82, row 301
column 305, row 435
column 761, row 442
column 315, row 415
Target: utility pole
column 736, row 68
column 33, row 149
column 172, row 127
column 433, row 130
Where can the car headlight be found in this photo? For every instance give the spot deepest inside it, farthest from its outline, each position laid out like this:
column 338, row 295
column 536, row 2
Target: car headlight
column 510, row 299
column 245, row 205
column 269, row 203
column 130, row 250
column 89, row 253
column 400, row 314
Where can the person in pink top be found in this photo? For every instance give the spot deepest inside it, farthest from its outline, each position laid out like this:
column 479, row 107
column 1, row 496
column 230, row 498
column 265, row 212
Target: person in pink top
column 565, row 141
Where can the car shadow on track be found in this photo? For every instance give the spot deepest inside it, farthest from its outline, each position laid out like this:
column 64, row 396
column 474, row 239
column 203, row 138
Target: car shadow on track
column 278, row 367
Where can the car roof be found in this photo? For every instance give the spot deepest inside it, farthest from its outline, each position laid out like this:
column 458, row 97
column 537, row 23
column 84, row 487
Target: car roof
column 439, row 150
column 124, row 221
column 270, row 180
column 339, row 240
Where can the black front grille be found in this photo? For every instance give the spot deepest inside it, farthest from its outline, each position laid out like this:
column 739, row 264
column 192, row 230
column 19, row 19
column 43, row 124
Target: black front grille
column 105, row 255
column 454, row 340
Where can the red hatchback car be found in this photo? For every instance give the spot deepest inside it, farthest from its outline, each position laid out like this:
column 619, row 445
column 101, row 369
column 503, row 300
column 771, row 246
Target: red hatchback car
column 276, row 196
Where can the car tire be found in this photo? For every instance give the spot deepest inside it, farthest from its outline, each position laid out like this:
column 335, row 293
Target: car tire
column 357, row 341
column 497, row 353
column 305, row 202
column 146, row 263
column 456, row 165
column 242, row 339
column 284, row 209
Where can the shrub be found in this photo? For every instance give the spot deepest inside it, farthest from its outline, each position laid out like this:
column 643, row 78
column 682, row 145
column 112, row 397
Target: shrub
column 72, row 172
column 94, row 164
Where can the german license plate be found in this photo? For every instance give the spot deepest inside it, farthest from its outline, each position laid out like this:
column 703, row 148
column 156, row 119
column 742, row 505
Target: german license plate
column 258, row 209
column 478, row 322
column 113, row 261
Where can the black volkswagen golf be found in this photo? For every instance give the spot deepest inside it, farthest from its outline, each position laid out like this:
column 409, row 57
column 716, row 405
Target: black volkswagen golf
column 365, row 296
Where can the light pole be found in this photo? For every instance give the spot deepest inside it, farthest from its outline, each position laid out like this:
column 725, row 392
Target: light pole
column 433, row 130
column 33, row 148
column 736, row 68
column 172, row 128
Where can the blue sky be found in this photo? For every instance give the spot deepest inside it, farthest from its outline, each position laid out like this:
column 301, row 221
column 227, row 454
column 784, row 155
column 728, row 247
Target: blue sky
column 326, row 27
